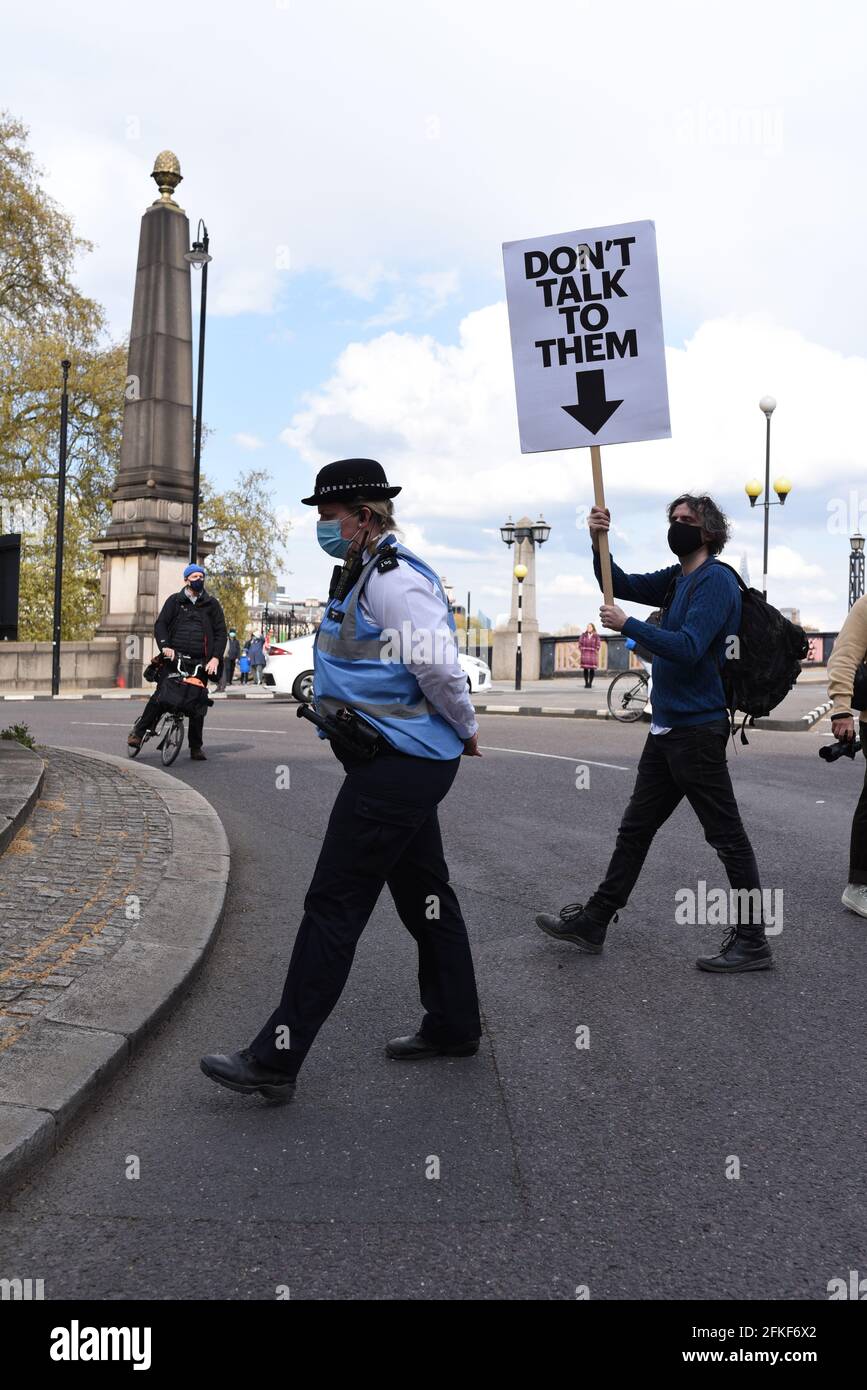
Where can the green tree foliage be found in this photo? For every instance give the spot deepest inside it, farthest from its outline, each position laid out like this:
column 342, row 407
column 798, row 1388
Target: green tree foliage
column 44, row 318
column 250, row 542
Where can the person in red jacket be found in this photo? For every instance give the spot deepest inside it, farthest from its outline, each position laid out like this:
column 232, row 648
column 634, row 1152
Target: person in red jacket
column 589, row 642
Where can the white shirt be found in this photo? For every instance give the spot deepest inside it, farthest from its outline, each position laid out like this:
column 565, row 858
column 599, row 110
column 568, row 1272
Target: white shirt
column 406, row 602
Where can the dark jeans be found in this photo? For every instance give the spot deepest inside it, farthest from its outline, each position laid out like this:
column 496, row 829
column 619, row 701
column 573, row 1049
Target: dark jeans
column 228, row 673
column 383, row 830
column 858, row 841
column 687, row 762
column 152, row 712
column 589, row 673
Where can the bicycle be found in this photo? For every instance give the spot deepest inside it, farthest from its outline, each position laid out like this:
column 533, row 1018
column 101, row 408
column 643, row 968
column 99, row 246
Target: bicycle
column 169, row 728
column 627, row 696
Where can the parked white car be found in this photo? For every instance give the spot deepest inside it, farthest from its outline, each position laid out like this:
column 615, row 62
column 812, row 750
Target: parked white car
column 289, row 669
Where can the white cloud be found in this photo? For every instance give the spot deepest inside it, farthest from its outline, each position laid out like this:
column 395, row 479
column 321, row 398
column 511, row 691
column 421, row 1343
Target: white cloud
column 785, row 563
column 423, row 296
column 572, row 584
column 421, row 137
column 443, row 416
column 248, row 441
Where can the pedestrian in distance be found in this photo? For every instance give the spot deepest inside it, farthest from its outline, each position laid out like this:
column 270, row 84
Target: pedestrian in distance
column 685, row 752
column 190, row 623
column 847, row 687
column 233, row 652
column 392, row 699
column 256, row 653
column 589, row 643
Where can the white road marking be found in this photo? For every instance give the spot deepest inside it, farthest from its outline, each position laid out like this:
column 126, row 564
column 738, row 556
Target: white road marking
column 124, row 724
column 561, row 757
column 487, row 747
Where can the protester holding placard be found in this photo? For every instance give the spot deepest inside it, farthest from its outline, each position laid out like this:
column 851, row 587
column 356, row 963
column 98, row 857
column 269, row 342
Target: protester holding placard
column 685, row 752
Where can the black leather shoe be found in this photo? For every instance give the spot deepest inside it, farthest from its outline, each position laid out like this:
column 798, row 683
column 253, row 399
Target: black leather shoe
column 198, row 755
column 739, row 952
column 240, row 1071
column 411, row 1049
column 575, row 925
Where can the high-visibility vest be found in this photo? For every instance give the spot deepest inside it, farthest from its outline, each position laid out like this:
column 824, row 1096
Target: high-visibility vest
column 356, row 665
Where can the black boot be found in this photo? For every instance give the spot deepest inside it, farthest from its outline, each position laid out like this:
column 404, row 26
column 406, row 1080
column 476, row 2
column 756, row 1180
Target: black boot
column 575, row 924
column 743, row 949
column 411, row 1049
column 240, row 1071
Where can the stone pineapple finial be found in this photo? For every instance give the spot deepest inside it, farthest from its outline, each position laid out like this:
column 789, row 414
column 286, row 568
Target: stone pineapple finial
column 167, row 175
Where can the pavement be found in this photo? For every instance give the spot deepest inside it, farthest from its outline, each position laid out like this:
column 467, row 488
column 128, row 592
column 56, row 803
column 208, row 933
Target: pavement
column 110, row 894
column 705, row 1144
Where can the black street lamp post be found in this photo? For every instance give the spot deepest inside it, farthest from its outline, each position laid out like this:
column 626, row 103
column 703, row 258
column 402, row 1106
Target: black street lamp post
column 856, row 568
column 537, row 534
column 520, row 575
column 753, row 489
column 58, row 545
column 199, row 256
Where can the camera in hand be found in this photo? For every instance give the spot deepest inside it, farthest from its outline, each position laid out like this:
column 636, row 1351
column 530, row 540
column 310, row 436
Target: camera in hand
column 832, row 751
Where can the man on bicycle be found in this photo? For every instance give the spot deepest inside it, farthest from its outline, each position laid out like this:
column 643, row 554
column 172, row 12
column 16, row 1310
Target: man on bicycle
column 190, row 624
column 685, row 752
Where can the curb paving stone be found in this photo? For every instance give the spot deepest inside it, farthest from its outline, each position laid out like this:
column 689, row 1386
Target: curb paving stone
column 22, row 773
column 88, row 1032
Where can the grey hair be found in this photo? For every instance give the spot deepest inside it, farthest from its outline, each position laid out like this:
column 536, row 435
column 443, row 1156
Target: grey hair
column 382, row 509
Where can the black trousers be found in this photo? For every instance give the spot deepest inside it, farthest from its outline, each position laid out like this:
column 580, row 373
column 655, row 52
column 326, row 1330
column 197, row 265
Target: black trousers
column 383, row 829
column 589, row 673
column 228, row 673
column 858, row 840
column 152, row 711
column 687, row 762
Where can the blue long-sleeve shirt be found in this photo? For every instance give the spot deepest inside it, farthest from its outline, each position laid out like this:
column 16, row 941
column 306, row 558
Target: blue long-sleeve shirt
column 689, row 645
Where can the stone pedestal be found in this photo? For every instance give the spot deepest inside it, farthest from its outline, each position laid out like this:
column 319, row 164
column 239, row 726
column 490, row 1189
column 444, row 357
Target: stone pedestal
column 146, row 544
column 505, row 646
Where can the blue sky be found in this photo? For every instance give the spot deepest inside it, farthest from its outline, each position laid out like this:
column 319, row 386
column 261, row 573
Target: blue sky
column 359, row 168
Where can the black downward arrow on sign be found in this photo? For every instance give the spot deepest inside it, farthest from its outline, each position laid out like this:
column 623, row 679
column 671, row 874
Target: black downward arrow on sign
column 592, row 410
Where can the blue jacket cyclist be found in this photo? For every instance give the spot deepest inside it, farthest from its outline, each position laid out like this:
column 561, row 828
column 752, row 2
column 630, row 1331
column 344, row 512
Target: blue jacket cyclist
column 386, row 662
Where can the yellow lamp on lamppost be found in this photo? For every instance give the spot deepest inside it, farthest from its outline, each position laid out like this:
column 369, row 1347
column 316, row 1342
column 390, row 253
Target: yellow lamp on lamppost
column 753, row 489
column 520, row 572
column 782, row 487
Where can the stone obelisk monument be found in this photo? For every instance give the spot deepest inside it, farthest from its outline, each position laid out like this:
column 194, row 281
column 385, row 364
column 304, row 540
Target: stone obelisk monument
column 146, row 544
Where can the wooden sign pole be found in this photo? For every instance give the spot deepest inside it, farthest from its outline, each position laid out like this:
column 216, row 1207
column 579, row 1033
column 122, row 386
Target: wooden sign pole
column 599, row 499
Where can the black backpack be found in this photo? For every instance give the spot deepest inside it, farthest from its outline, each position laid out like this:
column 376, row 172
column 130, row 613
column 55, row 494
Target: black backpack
column 769, row 649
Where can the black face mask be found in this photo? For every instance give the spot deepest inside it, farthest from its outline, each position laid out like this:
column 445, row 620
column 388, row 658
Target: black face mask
column 684, row 538
column 197, row 585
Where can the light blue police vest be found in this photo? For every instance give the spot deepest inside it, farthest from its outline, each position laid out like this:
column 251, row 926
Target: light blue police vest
column 356, row 665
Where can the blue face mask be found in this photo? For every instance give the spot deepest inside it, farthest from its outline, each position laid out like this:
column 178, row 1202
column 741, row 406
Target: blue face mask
column 197, row 585
column 329, row 537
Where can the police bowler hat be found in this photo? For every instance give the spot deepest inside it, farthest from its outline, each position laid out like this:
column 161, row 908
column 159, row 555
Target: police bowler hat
column 350, row 480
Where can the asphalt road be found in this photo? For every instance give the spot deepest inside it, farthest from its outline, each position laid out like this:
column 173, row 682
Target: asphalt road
column 559, row 1167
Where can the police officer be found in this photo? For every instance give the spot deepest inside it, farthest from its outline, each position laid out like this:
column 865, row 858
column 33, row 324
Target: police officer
column 385, row 659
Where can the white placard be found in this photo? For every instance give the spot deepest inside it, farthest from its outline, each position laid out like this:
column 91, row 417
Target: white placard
column 587, row 345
